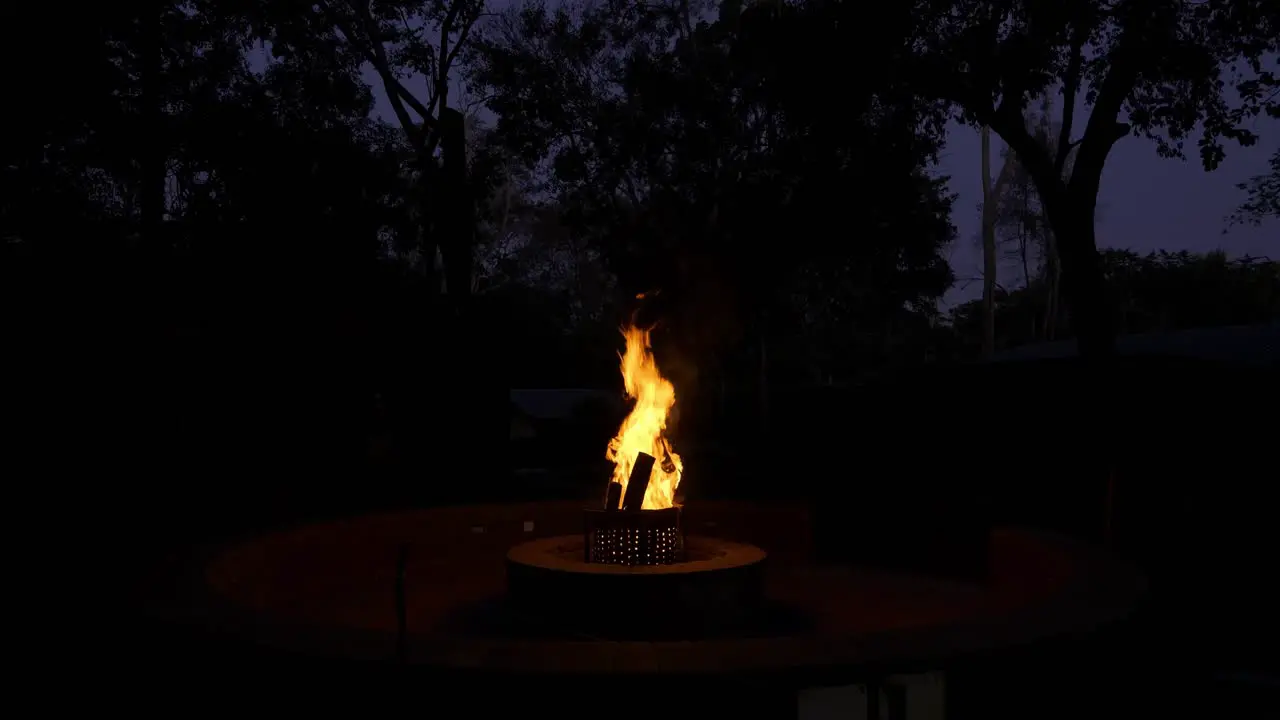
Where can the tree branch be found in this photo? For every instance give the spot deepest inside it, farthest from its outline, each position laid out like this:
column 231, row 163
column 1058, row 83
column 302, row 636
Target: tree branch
column 1008, row 170
column 446, row 55
column 395, row 89
column 463, row 33
column 1103, row 131
column 375, row 55
column 440, row 89
column 1070, row 86
column 1031, row 154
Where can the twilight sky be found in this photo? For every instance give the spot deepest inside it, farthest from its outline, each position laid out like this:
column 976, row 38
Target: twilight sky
column 1146, row 202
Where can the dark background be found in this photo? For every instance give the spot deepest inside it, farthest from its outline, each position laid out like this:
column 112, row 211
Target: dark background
column 240, row 288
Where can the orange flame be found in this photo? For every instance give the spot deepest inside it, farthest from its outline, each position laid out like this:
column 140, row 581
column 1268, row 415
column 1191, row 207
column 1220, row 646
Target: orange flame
column 643, row 430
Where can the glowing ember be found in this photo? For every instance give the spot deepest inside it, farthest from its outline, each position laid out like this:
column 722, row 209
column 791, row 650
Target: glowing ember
column 643, row 429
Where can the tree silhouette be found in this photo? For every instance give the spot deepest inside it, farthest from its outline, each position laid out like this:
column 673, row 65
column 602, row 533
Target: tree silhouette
column 1022, row 217
column 400, row 41
column 1156, row 292
column 210, row 233
column 1263, row 201
column 681, row 146
column 1158, row 69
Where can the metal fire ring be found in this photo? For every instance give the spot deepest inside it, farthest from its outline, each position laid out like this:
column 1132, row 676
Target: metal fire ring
column 633, row 537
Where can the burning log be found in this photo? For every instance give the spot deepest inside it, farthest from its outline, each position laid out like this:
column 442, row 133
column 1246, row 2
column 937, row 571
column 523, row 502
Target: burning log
column 668, row 465
column 613, row 496
column 638, row 482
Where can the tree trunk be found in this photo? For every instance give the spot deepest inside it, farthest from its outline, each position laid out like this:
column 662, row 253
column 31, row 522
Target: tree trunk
column 763, row 376
column 456, row 215
column 426, row 233
column 154, row 155
column 1053, row 281
column 1024, row 242
column 988, row 251
column 1071, row 209
column 1083, row 283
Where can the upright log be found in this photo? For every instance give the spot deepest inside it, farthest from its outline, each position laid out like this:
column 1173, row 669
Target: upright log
column 613, row 496
column 638, row 483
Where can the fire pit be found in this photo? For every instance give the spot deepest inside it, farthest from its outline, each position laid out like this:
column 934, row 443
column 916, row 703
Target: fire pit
column 717, row 587
column 633, row 573
column 329, row 590
column 635, row 588
column 642, row 537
